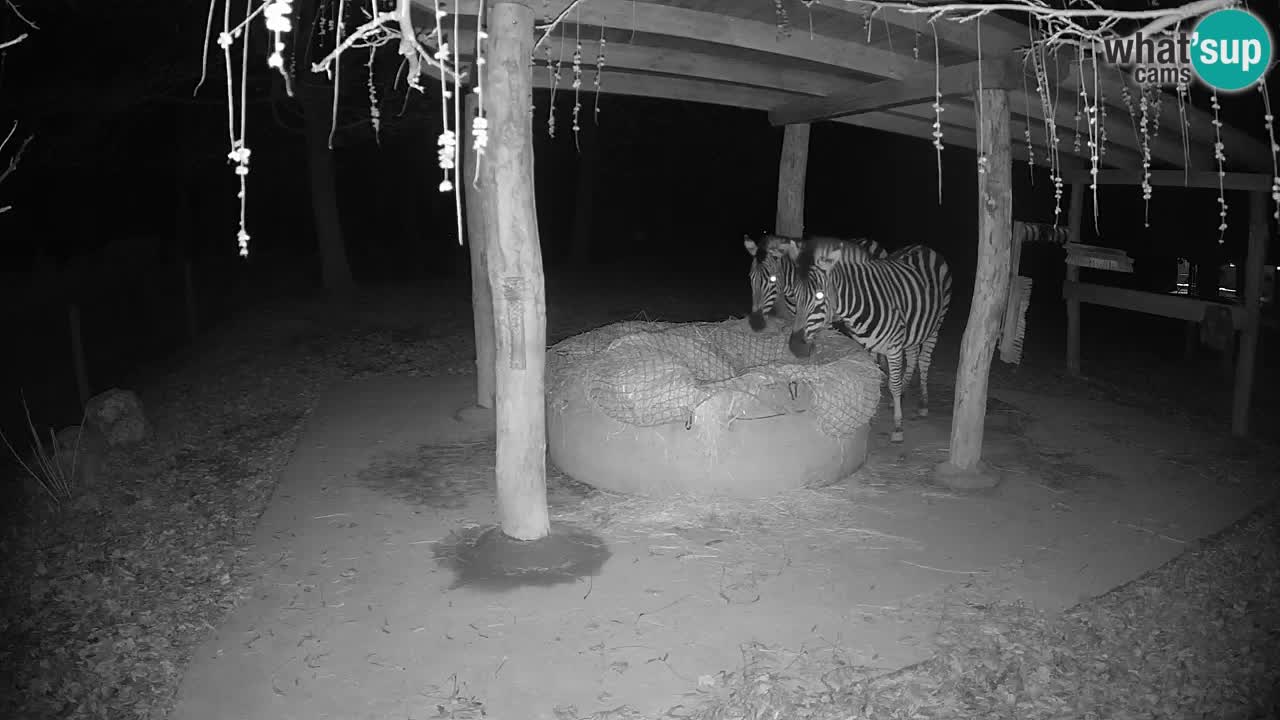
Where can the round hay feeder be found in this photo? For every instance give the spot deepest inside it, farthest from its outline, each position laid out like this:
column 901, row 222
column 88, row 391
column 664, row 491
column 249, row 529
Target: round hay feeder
column 659, row 409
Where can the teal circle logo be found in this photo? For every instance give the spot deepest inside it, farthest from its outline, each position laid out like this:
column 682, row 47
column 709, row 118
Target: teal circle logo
column 1231, row 49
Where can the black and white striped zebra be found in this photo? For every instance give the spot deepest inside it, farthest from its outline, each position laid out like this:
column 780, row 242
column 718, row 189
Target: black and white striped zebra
column 893, row 306
column 773, row 270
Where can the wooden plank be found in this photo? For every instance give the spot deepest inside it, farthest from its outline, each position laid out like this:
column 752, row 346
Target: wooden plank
column 991, row 288
column 692, row 90
column 514, row 260
column 1002, row 73
column 997, row 37
column 77, row 353
column 1075, row 218
column 1177, row 178
column 793, row 166
column 477, row 234
column 709, row 29
column 681, row 63
column 1178, row 307
column 1242, row 149
column 1259, row 230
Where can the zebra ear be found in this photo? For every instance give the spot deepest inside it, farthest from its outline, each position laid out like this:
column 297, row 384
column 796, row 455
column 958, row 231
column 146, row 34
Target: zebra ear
column 750, row 245
column 793, row 248
column 827, row 258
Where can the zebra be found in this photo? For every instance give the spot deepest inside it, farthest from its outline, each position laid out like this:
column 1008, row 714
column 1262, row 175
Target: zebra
column 773, row 270
column 893, row 306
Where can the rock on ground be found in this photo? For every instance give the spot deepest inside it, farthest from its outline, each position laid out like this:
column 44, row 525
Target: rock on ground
column 117, row 414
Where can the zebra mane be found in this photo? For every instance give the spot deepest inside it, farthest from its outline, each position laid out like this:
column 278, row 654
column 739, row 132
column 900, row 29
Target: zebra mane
column 852, row 252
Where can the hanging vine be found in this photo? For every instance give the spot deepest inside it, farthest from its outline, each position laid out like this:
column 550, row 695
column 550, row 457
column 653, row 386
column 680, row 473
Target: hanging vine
column 1080, row 26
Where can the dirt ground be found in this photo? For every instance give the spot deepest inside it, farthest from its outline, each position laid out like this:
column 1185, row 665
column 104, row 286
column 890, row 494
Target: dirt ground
column 360, row 613
column 288, row 547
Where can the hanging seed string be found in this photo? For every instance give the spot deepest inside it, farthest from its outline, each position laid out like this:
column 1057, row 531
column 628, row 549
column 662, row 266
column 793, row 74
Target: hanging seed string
column 1269, row 119
column 1219, row 154
column 595, row 110
column 915, row 47
column 781, row 19
column 1026, row 129
column 277, row 14
column 337, row 71
column 1082, row 100
column 937, row 108
column 577, row 79
column 1095, row 129
column 1144, row 124
column 239, row 154
column 375, row 115
column 448, row 141
column 977, row 108
column 457, row 116
column 554, row 69
column 480, row 123
column 1127, row 98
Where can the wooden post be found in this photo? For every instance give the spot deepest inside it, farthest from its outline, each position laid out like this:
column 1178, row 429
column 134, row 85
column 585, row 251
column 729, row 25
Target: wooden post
column 793, row 166
column 189, row 299
column 1074, row 218
column 1247, row 354
column 77, row 354
column 477, row 238
column 990, row 290
column 514, row 260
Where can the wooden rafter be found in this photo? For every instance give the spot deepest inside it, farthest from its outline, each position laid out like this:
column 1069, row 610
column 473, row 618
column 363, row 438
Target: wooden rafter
column 708, row 28
column 705, row 45
column 1178, row 178
column 1002, row 72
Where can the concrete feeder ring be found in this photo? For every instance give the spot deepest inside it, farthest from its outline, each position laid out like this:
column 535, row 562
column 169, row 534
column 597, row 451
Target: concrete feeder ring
column 658, row 409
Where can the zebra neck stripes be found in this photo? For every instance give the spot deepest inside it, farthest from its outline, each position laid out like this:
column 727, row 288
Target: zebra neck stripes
column 894, row 306
column 774, row 269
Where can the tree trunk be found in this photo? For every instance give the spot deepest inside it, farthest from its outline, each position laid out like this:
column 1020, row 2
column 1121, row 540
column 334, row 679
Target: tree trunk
column 514, row 260
column 793, row 167
column 477, row 240
column 1075, row 218
column 584, row 199
column 991, row 282
column 1253, row 268
column 334, row 268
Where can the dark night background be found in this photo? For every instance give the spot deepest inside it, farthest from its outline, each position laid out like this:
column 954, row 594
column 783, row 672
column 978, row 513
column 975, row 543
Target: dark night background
column 128, row 162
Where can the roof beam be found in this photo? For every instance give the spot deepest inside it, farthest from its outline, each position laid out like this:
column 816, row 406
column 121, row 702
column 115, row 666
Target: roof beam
column 999, row 35
column 1177, row 178
column 682, row 89
column 713, row 28
column 680, row 63
column 998, row 73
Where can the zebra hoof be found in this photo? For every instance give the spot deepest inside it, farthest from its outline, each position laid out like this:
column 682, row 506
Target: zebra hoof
column 895, row 436
column 924, row 412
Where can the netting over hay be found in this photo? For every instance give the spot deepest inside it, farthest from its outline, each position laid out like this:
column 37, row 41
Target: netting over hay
column 654, row 373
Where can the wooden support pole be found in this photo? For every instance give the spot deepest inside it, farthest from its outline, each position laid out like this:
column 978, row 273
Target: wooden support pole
column 1247, row 354
column 990, row 288
column 1074, row 218
column 477, row 238
column 514, row 260
column 189, row 299
column 793, row 166
column 1001, row 72
column 77, row 353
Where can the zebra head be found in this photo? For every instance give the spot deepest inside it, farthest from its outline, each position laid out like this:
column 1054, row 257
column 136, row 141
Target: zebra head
column 766, row 275
column 812, row 288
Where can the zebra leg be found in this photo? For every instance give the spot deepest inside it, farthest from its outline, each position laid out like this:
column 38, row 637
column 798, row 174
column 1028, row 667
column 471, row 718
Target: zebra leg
column 926, row 358
column 910, row 357
column 895, row 391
